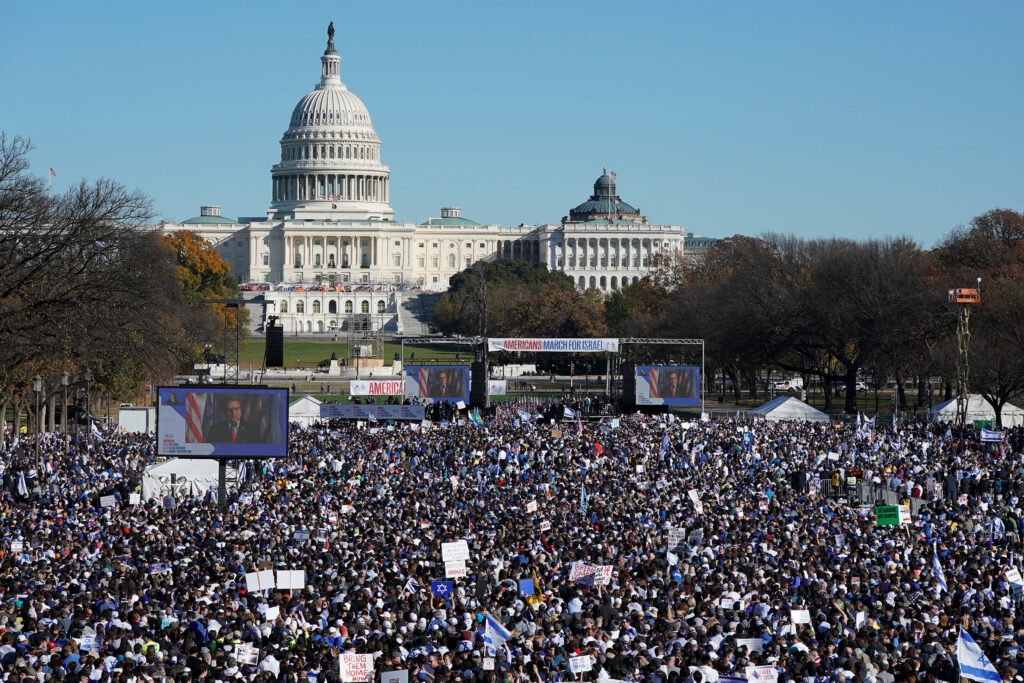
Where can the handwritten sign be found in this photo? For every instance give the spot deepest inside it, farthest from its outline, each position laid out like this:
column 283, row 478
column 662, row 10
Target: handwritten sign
column 356, row 668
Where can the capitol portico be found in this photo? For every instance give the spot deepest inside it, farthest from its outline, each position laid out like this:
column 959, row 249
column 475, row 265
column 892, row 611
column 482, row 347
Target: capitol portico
column 330, row 232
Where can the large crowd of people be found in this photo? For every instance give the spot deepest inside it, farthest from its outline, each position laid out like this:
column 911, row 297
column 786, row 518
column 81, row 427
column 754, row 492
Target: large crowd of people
column 643, row 548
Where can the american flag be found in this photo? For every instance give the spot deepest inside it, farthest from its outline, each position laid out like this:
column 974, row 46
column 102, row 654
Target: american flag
column 193, row 421
column 612, row 174
column 52, row 172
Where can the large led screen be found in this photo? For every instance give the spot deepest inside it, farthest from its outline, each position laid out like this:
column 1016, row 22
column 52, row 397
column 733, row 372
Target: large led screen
column 667, row 385
column 438, row 382
column 222, row 422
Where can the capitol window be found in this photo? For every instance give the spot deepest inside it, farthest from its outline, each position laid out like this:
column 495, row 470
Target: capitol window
column 380, row 306
column 283, row 308
column 364, row 307
column 316, row 306
column 398, row 259
column 398, row 243
column 451, row 260
column 266, row 259
column 300, row 307
column 348, row 306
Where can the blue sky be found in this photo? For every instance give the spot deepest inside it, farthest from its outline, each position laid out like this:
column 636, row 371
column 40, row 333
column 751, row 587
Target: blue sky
column 814, row 118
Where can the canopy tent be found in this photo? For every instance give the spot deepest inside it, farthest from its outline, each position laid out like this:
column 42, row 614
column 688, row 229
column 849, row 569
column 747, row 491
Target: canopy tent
column 788, row 408
column 305, row 411
column 977, row 409
column 183, row 478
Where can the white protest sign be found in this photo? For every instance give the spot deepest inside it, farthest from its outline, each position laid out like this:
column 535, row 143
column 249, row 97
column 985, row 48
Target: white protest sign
column 395, row 676
column 800, row 616
column 488, row 663
column 108, row 501
column 272, row 613
column 581, row 664
column 581, row 572
column 694, row 495
column 676, row 534
column 752, row 644
column 455, row 570
column 545, row 525
column 1012, row 574
column 762, row 674
column 288, row 579
column 904, row 517
column 698, row 508
column 456, row 550
column 356, row 668
column 531, row 506
column 461, row 405
column 17, row 546
column 603, row 576
column 90, row 643
column 262, row 580
column 134, row 498
column 246, row 654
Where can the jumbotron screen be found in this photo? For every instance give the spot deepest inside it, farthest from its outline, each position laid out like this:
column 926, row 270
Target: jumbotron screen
column 437, row 382
column 667, row 385
column 222, row 422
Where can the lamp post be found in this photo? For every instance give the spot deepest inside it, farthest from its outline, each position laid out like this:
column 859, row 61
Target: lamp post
column 88, row 410
column 64, row 381
column 37, row 386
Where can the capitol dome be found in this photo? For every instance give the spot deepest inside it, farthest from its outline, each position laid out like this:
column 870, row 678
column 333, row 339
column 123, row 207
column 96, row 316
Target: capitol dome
column 330, row 155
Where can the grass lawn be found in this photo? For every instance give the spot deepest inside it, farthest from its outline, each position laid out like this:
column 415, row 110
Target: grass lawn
column 312, row 352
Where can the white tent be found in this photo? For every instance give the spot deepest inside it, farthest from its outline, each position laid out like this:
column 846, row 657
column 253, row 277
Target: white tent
column 788, row 408
column 977, row 409
column 305, row 411
column 183, row 478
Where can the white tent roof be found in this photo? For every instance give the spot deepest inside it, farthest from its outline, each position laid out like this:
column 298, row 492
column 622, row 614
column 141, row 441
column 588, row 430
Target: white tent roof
column 977, row 409
column 788, row 408
column 305, row 411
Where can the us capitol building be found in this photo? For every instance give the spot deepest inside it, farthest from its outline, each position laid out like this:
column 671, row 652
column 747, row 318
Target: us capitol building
column 330, row 256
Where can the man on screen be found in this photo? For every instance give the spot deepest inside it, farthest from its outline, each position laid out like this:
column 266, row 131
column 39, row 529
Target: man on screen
column 675, row 383
column 445, row 384
column 231, row 428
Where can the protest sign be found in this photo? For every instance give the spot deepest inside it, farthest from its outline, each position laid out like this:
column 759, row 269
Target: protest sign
column 676, row 534
column 581, row 664
column 488, row 663
column 762, row 674
column 887, row 515
column 800, row 616
column 356, row 668
column 455, row 569
column 1012, row 575
column 272, row 613
column 247, row 654
column 401, row 676
column 545, row 525
column 134, row 498
column 301, row 535
column 752, row 644
column 581, row 572
column 17, row 546
column 291, row 580
column 108, row 501
column 531, row 506
column 456, row 550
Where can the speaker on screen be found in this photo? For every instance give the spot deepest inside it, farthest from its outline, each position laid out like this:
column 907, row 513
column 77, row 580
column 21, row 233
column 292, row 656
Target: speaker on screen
column 275, row 345
column 478, row 385
column 629, row 386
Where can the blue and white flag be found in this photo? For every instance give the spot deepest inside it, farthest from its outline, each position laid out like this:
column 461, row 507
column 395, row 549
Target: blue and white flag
column 22, row 486
column 940, row 575
column 568, row 412
column 583, row 500
column 442, row 589
column 523, row 415
column 372, row 417
column 990, row 435
column 666, row 445
column 96, row 432
column 973, row 662
column 869, row 422
column 495, row 634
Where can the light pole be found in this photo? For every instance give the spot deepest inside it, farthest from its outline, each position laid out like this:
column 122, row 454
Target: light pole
column 37, row 386
column 64, row 380
column 88, row 410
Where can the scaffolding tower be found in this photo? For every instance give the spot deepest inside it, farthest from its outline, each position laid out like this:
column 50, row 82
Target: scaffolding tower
column 963, row 299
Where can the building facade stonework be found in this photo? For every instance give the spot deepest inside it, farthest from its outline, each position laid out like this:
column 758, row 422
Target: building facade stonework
column 330, row 255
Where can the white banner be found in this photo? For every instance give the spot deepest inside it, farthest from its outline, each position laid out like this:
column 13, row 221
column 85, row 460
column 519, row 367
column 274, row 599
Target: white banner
column 356, row 668
column 497, row 387
column 581, row 663
column 372, row 387
column 455, row 569
column 455, row 551
column 554, row 345
column 762, row 674
column 401, row 676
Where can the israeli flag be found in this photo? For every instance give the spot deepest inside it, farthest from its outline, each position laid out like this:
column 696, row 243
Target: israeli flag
column 568, row 412
column 523, row 415
column 940, row 575
column 973, row 662
column 495, row 634
column 96, row 432
column 583, row 500
column 372, row 417
column 666, row 445
column 22, row 486
column 990, row 435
